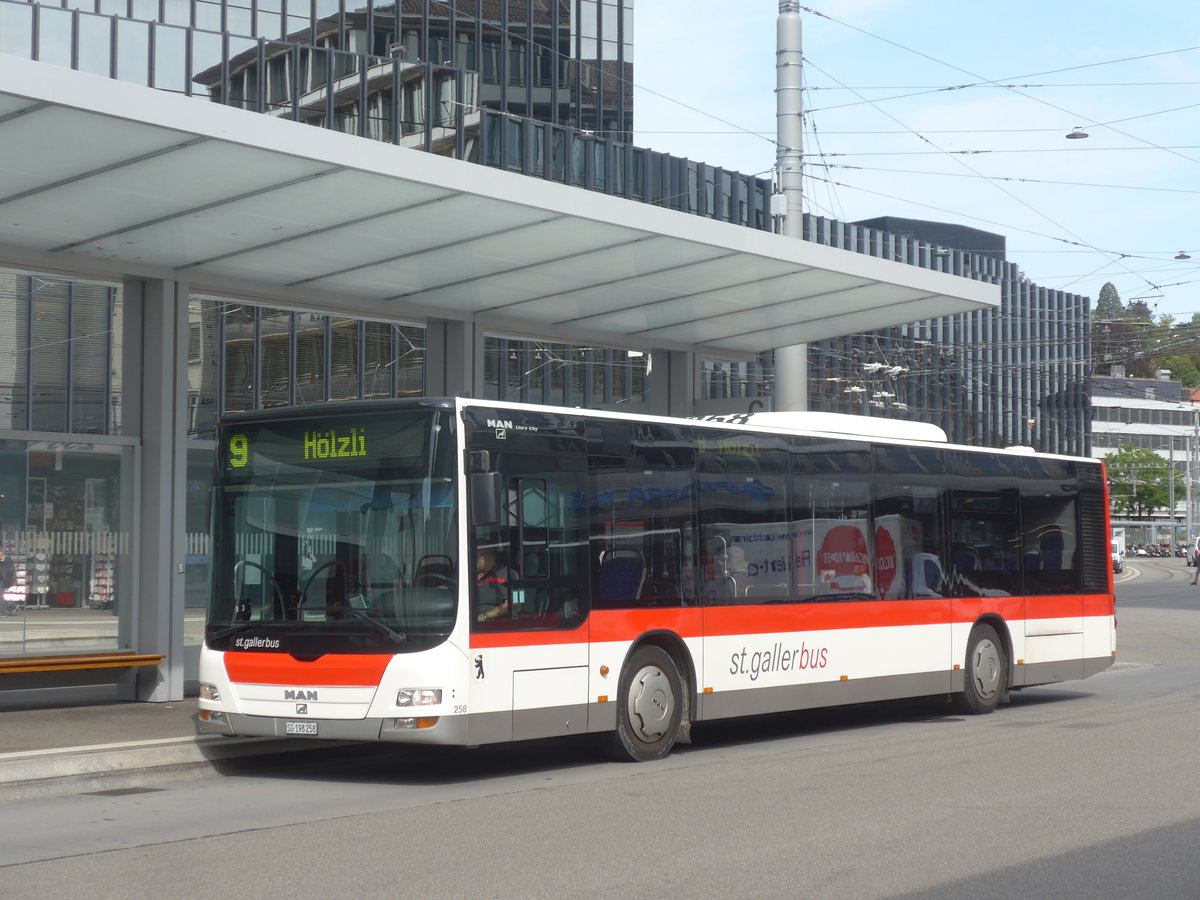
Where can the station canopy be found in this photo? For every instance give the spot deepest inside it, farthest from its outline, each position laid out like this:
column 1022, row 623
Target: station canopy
column 98, row 176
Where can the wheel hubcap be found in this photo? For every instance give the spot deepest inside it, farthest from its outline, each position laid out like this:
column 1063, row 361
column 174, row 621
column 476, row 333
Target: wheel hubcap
column 985, row 669
column 651, row 704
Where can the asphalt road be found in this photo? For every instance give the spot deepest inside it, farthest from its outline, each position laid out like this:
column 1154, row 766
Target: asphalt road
column 1088, row 789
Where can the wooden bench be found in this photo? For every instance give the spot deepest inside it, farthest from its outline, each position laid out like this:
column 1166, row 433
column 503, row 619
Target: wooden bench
column 81, row 664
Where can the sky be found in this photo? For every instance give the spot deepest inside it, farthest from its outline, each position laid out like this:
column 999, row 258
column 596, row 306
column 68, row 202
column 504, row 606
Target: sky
column 957, row 111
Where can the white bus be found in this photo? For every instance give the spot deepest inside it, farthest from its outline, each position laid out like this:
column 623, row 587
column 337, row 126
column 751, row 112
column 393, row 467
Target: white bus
column 463, row 572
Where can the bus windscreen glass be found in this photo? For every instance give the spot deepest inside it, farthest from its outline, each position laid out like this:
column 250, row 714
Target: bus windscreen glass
column 341, row 531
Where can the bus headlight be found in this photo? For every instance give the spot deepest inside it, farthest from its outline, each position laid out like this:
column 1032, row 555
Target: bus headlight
column 209, row 692
column 419, row 697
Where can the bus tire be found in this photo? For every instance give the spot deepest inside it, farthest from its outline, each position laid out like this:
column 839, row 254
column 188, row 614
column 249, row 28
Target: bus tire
column 985, row 676
column 650, row 701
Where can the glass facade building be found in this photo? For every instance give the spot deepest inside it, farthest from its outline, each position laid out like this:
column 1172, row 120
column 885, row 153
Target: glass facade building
column 542, row 88
column 66, row 463
column 346, row 64
column 1014, row 375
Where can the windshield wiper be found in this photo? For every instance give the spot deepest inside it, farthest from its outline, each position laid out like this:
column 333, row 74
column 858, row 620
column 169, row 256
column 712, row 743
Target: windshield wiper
column 397, row 637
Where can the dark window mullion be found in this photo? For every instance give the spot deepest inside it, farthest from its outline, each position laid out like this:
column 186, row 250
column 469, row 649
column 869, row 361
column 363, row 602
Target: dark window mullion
column 530, row 58
column 360, row 363
column 394, row 357
column 256, row 362
column 27, row 424
column 36, row 30
column 502, row 62
column 364, row 110
column 327, row 362
column 189, row 59
column 69, row 362
column 109, row 324
column 222, row 315
column 292, row 359
column 75, row 40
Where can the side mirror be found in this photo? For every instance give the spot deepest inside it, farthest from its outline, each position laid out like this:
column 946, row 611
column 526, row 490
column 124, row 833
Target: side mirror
column 485, row 493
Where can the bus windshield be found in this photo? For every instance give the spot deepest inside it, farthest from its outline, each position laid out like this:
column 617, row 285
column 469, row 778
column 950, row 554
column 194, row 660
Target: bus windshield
column 343, row 532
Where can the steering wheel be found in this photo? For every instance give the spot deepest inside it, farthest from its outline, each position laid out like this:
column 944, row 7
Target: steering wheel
column 243, row 608
column 333, row 563
column 342, row 569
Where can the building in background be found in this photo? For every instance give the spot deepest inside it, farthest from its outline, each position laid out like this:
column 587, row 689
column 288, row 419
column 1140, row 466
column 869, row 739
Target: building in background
column 1156, row 414
column 1016, row 375
column 1012, row 376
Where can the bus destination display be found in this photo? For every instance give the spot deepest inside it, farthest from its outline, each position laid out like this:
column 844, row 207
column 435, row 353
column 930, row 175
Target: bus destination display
column 250, row 448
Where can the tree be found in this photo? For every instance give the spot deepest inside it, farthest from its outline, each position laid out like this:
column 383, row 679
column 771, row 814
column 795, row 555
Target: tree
column 1109, row 302
column 1183, row 369
column 1140, row 309
column 1138, row 481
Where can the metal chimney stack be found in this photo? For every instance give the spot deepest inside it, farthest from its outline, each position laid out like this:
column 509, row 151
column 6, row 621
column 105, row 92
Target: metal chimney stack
column 791, row 363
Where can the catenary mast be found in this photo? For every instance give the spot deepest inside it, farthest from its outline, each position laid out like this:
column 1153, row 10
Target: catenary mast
column 791, row 363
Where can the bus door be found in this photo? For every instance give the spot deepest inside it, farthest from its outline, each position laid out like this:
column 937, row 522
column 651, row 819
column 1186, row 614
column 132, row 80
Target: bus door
column 1054, row 633
column 530, row 591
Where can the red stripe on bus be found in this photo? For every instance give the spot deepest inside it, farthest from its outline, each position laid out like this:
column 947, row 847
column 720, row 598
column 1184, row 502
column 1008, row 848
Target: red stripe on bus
column 486, row 640
column 725, row 620
column 622, row 624
column 334, row 669
column 691, row 622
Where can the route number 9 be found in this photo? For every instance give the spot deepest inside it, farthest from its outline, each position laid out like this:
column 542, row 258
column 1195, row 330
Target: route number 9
column 239, row 450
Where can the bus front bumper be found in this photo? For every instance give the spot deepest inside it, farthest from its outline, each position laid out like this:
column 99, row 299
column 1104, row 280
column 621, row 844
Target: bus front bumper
column 447, row 730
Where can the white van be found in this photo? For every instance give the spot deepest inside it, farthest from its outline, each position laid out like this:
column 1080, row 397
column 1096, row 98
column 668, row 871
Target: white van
column 1118, row 550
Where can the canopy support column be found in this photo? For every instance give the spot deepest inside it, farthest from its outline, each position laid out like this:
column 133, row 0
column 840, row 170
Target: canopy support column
column 453, row 359
column 156, row 324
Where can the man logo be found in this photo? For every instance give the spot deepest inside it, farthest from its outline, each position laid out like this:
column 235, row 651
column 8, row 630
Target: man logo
column 299, row 695
column 501, row 427
column 302, row 709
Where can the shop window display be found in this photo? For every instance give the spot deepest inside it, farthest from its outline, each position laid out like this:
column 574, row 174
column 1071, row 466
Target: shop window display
column 61, row 529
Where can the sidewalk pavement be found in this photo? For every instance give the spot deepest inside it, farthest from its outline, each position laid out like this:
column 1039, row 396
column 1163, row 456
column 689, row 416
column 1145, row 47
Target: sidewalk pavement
column 104, row 744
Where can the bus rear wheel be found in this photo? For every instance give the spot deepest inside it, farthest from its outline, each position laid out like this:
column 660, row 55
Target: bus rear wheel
column 986, row 672
column 650, row 702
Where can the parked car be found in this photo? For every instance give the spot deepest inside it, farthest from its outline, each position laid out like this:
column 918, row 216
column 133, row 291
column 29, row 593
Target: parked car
column 1118, row 559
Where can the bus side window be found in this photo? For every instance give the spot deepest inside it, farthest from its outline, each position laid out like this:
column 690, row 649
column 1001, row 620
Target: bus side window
column 641, row 489
column 743, row 512
column 909, row 522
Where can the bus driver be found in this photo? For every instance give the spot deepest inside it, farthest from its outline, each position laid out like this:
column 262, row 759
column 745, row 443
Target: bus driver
column 491, row 586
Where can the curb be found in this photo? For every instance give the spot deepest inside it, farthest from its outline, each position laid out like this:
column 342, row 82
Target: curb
column 45, row 773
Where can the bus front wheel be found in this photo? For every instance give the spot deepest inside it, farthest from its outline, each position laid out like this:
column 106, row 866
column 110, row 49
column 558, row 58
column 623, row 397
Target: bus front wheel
column 986, row 673
column 650, row 702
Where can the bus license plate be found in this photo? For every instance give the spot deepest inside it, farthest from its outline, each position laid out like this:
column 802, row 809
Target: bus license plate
column 299, row 727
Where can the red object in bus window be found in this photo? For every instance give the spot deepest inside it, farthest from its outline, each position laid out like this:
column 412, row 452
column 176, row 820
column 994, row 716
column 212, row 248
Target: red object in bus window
column 842, row 559
column 885, row 560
